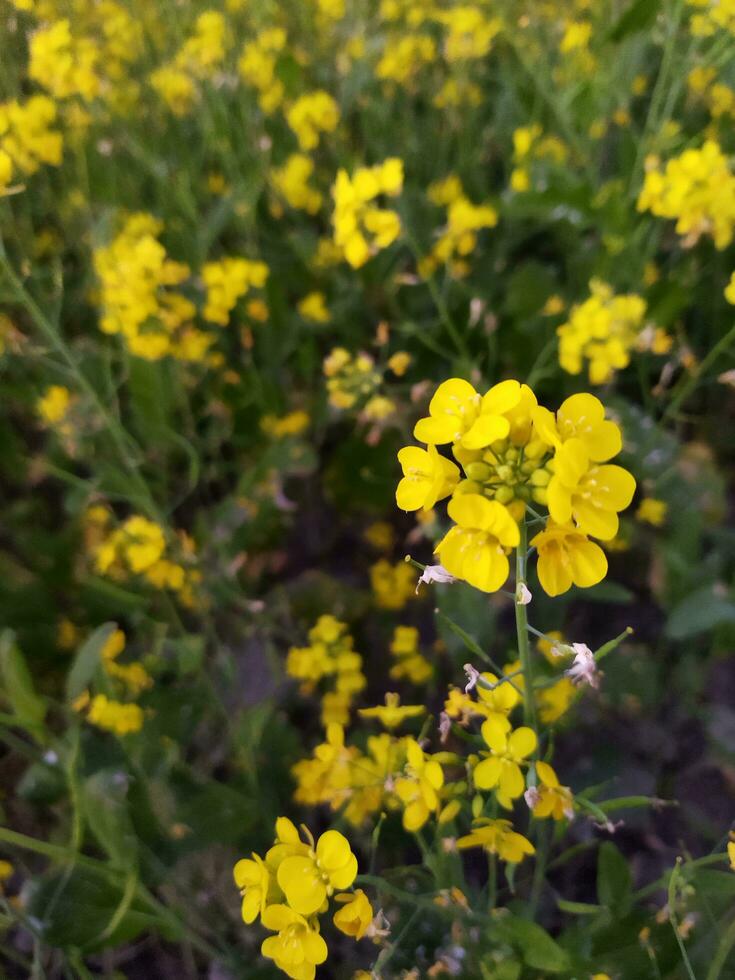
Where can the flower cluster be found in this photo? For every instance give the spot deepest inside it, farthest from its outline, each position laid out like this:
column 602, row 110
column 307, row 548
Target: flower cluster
column 257, row 66
column 602, row 331
column 329, row 656
column 353, row 382
column 291, row 182
column 697, row 189
column 290, row 888
column 360, row 227
column 458, row 238
column 310, row 115
column 393, row 585
column 226, row 282
column 27, row 138
column 409, row 664
column 516, row 453
column 198, row 58
column 138, row 548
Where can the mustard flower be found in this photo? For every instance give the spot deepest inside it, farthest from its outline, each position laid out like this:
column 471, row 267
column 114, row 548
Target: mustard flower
column 475, row 549
column 457, row 413
column 497, row 837
column 549, row 798
column 582, row 417
column 393, row 713
column 307, row 879
column 555, row 701
column 298, row 948
column 355, row 916
column 502, row 769
column 592, row 495
column 311, row 114
column 652, row 511
column 567, row 557
column 253, row 879
column 427, row 478
column 419, row 789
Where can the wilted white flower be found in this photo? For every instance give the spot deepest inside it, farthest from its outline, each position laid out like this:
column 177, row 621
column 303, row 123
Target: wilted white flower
column 584, row 668
column 523, row 594
column 531, row 796
column 473, row 676
column 434, row 573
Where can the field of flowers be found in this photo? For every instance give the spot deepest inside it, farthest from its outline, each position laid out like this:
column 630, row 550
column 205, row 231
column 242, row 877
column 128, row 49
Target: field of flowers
column 367, row 564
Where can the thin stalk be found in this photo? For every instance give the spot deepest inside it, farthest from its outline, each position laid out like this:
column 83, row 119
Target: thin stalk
column 686, row 388
column 524, row 650
column 674, row 922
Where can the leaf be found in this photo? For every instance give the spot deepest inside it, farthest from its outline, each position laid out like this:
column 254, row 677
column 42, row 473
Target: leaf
column 578, row 908
column 104, row 798
column 534, row 944
column 75, row 908
column 639, row 16
column 702, row 610
column 614, row 885
column 87, row 660
column 27, row 705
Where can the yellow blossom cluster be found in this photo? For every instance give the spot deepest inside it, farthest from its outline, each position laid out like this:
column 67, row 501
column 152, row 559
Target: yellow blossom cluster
column 135, row 275
column 292, row 424
column 63, row 65
column 27, row 138
column 409, row 664
column 113, row 716
column 257, row 66
column 53, row 406
column 198, row 58
column 602, row 331
column 226, row 282
column 313, row 307
column 404, row 56
column 310, row 115
column 329, row 656
column 133, row 676
column 458, row 238
column 469, row 32
column 138, row 547
column 393, row 585
column 290, row 888
column 514, row 452
column 530, row 144
column 697, row 189
column 291, row 182
column 353, row 382
column 711, row 16
column 360, row 227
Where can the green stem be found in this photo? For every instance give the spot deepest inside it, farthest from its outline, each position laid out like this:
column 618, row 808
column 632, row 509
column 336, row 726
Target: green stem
column 723, row 951
column 673, row 920
column 690, row 383
column 524, row 650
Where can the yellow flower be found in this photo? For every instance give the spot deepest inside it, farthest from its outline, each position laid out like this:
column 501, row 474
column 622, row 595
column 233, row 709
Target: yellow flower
column 567, row 557
column 122, row 719
column 497, row 837
column 253, row 879
column 418, row 791
column 592, row 495
column 298, row 948
column 550, row 799
column 427, row 478
column 652, row 511
column 554, row 701
column 311, row 114
column 731, row 854
column 475, row 550
column 307, row 880
column 392, row 585
column 458, row 414
column 355, row 916
column 291, row 181
column 730, row 290
column 399, row 363
column 580, row 417
column 393, row 713
column 502, row 768
column 54, row 404
column 314, row 307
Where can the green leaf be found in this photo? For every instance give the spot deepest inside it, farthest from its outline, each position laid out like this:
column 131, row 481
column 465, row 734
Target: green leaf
column 27, row 705
column 104, row 798
column 701, row 611
column 75, row 908
column 578, row 908
column 87, row 660
column 534, row 944
column 614, row 884
column 639, row 16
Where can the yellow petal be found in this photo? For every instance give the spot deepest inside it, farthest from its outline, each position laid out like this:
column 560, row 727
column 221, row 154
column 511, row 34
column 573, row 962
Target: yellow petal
column 588, row 563
column 487, row 773
column 437, row 431
column 484, row 431
column 501, row 397
column 522, row 742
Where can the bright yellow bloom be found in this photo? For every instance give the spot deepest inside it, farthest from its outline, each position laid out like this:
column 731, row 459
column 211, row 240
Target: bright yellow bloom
column 730, row 290
column 427, row 478
column 122, row 719
column 291, row 181
column 356, row 914
column 457, row 413
column 393, row 585
column 311, row 114
column 307, row 880
column 731, row 854
column 475, row 550
column 497, row 837
column 64, row 65
column 581, row 417
column 590, row 494
column 314, row 307
column 399, row 362
column 409, row 662
column 227, row 281
column 419, row 789
column 652, row 511
column 27, row 139
column 298, row 948
column 549, row 799
column 554, row 701
column 393, row 713
column 54, row 404
column 360, row 228
column 254, row 880
column 502, row 769
column 567, row 557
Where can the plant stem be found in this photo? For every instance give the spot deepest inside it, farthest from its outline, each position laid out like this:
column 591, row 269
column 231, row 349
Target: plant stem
column 524, row 651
